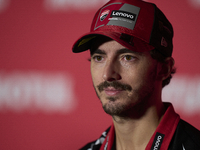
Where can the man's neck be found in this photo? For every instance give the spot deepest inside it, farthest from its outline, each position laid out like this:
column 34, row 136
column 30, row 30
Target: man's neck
column 135, row 132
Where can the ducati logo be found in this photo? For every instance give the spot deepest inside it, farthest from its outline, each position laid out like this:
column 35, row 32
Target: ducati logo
column 104, row 14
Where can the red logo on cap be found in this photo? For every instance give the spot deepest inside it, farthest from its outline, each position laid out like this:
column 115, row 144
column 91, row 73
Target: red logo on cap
column 104, row 14
column 164, row 42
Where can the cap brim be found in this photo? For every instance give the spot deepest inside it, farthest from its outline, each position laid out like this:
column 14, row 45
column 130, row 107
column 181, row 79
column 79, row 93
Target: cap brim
column 84, row 43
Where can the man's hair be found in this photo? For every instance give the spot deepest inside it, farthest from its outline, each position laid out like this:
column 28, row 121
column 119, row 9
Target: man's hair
column 155, row 54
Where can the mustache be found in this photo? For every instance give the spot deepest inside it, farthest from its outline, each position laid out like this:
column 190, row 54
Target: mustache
column 115, row 85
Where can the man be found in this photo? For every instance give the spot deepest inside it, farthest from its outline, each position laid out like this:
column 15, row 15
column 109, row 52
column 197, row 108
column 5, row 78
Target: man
column 131, row 47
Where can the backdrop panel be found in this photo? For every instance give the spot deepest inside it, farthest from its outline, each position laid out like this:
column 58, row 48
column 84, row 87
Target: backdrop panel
column 47, row 100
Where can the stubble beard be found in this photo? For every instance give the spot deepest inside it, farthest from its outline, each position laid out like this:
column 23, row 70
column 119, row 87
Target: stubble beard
column 132, row 106
column 111, row 107
column 124, row 109
column 117, row 109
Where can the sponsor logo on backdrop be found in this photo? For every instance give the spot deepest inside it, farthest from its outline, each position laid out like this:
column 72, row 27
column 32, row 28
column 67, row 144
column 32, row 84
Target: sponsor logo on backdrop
column 184, row 93
column 64, row 5
column 54, row 92
column 4, row 4
column 37, row 91
column 195, row 3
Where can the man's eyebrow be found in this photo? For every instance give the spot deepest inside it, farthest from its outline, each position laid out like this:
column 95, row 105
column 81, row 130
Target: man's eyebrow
column 125, row 50
column 97, row 51
column 120, row 51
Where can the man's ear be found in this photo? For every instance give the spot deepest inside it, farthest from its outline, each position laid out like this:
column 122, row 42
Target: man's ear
column 166, row 68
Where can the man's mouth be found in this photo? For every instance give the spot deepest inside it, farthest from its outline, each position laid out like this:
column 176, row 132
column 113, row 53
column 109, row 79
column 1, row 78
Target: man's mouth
column 113, row 87
column 110, row 91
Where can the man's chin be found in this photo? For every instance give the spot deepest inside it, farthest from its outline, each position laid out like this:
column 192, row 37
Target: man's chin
column 113, row 108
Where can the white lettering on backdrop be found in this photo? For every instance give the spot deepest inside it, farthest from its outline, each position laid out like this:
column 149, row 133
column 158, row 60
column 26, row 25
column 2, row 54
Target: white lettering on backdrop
column 37, row 91
column 55, row 92
column 83, row 5
column 184, row 93
column 80, row 5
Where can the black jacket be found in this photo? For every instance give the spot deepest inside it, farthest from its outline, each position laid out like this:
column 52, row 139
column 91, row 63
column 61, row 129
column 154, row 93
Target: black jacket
column 186, row 137
column 172, row 133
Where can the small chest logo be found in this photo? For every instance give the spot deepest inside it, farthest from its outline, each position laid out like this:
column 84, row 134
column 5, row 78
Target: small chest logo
column 157, row 141
column 104, row 14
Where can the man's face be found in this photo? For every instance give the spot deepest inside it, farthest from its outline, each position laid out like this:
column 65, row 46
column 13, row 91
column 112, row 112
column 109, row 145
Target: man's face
column 122, row 78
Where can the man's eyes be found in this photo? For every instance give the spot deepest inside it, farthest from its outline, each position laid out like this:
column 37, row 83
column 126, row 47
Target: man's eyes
column 128, row 57
column 100, row 58
column 97, row 58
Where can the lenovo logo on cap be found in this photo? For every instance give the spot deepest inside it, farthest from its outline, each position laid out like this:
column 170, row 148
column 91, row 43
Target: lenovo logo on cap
column 104, row 14
column 118, row 14
column 123, row 14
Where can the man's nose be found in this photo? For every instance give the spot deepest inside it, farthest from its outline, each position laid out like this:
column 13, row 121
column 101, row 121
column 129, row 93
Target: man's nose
column 111, row 71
